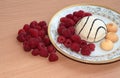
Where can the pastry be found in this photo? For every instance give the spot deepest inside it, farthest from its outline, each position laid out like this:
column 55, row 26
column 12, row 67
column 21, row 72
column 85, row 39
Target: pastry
column 112, row 36
column 112, row 27
column 106, row 45
column 91, row 29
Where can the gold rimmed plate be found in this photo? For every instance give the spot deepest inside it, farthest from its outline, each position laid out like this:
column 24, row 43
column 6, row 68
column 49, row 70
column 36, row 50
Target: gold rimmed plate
column 99, row 56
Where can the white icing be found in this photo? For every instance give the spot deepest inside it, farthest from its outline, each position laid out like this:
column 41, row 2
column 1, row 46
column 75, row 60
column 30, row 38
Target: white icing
column 92, row 23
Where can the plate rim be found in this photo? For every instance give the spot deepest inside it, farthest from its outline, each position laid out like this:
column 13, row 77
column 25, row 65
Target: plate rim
column 74, row 58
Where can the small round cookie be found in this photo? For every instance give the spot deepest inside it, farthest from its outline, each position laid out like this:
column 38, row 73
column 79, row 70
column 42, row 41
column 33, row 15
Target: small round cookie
column 112, row 27
column 106, row 45
column 112, row 36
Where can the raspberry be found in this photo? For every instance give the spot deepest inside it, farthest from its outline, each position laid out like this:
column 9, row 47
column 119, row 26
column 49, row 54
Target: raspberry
column 51, row 49
column 38, row 28
column 69, row 16
column 79, row 13
column 91, row 46
column 35, row 52
column 26, row 27
column 69, row 22
column 85, row 51
column 26, row 46
column 61, row 39
column 53, row 57
column 75, row 47
column 42, row 23
column 76, row 38
column 33, row 32
column 45, row 28
column 68, row 43
column 43, row 52
column 33, row 42
column 41, row 45
column 60, row 29
column 87, row 14
column 21, row 38
column 21, row 31
column 46, row 40
column 39, row 39
column 41, row 33
column 83, row 43
column 76, row 19
column 33, row 24
column 67, row 33
column 27, row 37
column 72, row 30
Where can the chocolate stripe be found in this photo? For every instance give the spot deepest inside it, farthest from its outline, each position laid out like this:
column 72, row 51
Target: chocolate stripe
column 98, row 30
column 83, row 25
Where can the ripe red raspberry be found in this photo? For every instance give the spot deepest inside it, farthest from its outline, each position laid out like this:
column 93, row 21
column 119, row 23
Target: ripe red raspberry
column 33, row 24
column 45, row 28
column 76, row 38
column 33, row 42
column 21, row 31
column 39, row 39
column 87, row 14
column 72, row 29
column 60, row 29
column 75, row 47
column 33, row 32
column 69, row 16
column 21, row 38
column 51, row 49
column 83, row 43
column 41, row 45
column 46, row 40
column 69, row 22
column 68, row 43
column 85, row 51
column 79, row 13
column 35, row 52
column 67, row 33
column 61, row 39
column 41, row 33
column 91, row 46
column 76, row 19
column 26, row 46
column 38, row 28
column 53, row 57
column 26, row 27
column 27, row 37
column 42, row 23
column 44, row 52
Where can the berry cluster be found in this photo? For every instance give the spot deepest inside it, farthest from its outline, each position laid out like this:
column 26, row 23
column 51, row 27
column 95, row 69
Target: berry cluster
column 67, row 36
column 35, row 38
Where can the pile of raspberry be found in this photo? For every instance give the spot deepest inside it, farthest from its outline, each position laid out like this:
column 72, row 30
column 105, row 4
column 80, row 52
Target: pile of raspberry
column 35, row 39
column 69, row 38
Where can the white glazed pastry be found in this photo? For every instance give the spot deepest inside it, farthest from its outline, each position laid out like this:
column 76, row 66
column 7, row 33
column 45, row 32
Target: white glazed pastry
column 91, row 29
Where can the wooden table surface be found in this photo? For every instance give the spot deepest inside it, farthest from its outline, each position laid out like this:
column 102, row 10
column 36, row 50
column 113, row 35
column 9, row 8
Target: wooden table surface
column 15, row 63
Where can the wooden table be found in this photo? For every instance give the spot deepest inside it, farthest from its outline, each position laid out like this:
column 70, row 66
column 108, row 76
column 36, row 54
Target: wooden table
column 15, row 63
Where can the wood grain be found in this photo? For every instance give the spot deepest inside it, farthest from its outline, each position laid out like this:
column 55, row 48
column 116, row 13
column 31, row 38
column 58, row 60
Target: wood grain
column 15, row 63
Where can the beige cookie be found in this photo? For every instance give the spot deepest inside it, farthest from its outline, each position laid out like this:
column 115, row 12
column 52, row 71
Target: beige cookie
column 112, row 36
column 112, row 27
column 107, row 45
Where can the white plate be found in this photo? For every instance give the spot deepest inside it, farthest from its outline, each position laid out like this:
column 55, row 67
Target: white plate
column 99, row 56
